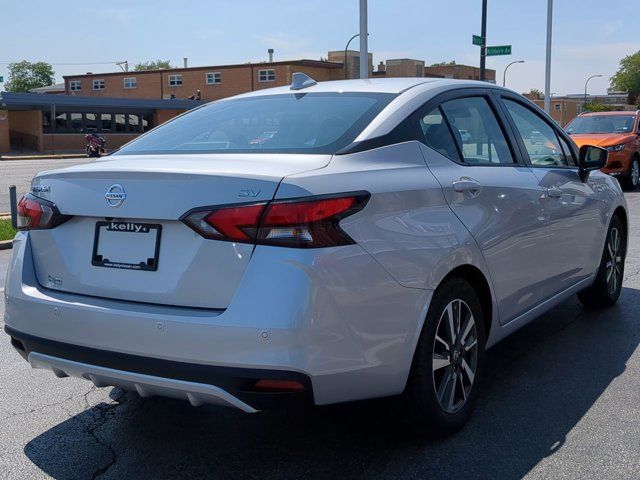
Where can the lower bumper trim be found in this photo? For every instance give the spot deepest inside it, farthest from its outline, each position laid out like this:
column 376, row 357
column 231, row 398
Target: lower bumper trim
column 197, row 383
column 146, row 385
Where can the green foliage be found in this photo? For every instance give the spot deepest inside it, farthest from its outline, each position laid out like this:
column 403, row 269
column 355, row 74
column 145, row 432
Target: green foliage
column 597, row 107
column 627, row 78
column 445, row 64
column 24, row 76
column 6, row 230
column 535, row 93
column 153, row 65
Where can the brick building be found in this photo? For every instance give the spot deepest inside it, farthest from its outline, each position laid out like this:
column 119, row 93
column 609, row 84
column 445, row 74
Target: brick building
column 58, row 123
column 121, row 105
column 563, row 110
column 214, row 82
column 460, row 72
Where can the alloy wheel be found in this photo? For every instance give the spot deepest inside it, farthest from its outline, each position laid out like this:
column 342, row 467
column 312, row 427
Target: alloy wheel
column 635, row 173
column 614, row 260
column 455, row 356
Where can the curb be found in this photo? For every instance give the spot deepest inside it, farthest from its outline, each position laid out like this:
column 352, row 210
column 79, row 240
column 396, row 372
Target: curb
column 6, row 244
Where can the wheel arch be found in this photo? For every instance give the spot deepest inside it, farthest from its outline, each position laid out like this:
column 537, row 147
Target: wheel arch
column 480, row 284
column 621, row 213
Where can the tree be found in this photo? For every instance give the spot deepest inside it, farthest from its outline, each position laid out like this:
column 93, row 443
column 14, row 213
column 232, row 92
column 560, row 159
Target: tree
column 445, row 64
column 153, row 65
column 24, row 76
column 597, row 107
column 627, row 78
column 535, row 94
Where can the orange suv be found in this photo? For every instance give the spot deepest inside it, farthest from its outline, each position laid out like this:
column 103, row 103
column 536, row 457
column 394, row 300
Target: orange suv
column 619, row 133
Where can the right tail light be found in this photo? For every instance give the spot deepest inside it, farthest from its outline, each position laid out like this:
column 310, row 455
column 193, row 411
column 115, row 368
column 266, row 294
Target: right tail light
column 310, row 222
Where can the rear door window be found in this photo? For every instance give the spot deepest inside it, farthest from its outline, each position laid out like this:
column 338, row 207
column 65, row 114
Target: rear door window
column 477, row 132
column 437, row 134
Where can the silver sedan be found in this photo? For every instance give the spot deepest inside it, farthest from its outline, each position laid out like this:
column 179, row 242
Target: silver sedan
column 315, row 244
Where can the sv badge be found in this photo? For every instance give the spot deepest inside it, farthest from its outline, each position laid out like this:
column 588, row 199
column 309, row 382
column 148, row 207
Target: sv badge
column 247, row 192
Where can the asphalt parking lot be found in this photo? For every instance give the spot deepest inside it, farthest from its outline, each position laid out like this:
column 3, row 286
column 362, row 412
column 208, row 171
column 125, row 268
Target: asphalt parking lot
column 561, row 400
column 20, row 173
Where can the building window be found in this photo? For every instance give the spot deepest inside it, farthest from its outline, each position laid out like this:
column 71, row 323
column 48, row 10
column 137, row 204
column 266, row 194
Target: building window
column 69, row 122
column 75, row 85
column 556, row 107
column 213, row 78
column 267, row 75
column 175, row 80
column 130, row 82
column 98, row 84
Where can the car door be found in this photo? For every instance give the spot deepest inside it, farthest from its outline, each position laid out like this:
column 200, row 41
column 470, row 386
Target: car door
column 571, row 206
column 494, row 195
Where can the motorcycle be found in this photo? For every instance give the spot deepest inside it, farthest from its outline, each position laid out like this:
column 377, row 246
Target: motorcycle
column 96, row 145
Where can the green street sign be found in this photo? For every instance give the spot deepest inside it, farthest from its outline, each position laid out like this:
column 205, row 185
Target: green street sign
column 499, row 50
column 476, row 40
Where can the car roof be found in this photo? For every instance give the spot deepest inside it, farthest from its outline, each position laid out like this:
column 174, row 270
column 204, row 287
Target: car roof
column 395, row 85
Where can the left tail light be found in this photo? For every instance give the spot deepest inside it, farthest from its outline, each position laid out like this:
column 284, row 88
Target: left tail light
column 38, row 214
column 310, row 222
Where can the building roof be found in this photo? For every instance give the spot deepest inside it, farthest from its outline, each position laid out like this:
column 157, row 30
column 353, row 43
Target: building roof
column 307, row 63
column 36, row 101
column 58, row 87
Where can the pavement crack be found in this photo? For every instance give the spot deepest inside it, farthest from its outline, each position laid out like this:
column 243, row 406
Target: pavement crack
column 38, row 409
column 103, row 413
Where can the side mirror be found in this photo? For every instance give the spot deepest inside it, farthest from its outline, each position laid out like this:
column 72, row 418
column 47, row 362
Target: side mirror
column 592, row 158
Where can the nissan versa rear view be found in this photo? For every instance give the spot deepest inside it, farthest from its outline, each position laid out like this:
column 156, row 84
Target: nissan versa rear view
column 314, row 244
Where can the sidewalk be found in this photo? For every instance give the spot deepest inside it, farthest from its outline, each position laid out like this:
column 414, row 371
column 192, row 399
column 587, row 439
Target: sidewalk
column 12, row 156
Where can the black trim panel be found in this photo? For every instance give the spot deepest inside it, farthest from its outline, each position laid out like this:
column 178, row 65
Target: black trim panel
column 237, row 381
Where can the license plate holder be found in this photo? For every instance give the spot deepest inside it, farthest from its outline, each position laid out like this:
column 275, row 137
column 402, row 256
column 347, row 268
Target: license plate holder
column 126, row 245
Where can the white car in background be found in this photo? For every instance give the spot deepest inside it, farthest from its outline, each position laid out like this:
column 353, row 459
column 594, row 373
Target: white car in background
column 356, row 251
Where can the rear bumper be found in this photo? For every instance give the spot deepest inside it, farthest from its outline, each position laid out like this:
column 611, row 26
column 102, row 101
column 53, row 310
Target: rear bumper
column 331, row 317
column 196, row 383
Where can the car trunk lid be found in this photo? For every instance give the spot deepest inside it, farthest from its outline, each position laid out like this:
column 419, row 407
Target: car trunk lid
column 152, row 193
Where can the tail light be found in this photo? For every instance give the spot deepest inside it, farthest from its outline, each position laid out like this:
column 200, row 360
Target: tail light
column 38, row 214
column 310, row 222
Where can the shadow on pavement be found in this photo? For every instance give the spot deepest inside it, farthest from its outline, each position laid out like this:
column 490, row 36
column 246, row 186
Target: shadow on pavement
column 541, row 382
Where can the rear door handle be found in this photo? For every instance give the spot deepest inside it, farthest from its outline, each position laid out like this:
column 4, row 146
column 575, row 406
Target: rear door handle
column 554, row 192
column 467, row 185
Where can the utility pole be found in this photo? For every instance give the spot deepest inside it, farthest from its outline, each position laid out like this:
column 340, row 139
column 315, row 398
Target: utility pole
column 483, row 47
column 364, row 54
column 547, row 73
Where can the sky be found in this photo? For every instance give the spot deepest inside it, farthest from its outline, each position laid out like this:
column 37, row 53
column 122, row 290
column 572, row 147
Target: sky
column 589, row 36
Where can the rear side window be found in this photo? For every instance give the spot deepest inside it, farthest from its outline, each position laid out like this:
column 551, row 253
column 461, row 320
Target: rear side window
column 476, row 131
column 539, row 137
column 287, row 123
column 437, row 134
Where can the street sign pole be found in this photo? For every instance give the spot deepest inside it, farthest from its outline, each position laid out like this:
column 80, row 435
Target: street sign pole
column 483, row 47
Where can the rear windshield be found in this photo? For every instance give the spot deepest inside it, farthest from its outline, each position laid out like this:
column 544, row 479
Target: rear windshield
column 289, row 123
column 601, row 124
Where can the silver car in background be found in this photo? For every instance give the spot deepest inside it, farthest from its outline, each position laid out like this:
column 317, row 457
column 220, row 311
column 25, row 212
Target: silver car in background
column 315, row 244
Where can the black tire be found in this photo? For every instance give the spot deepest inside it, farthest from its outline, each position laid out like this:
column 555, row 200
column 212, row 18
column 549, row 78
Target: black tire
column 632, row 179
column 606, row 289
column 422, row 411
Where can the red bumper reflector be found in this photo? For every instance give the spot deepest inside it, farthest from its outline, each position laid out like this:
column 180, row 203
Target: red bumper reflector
column 278, row 386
